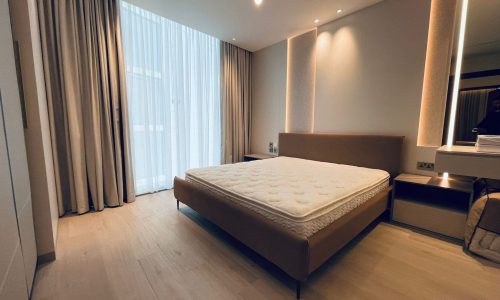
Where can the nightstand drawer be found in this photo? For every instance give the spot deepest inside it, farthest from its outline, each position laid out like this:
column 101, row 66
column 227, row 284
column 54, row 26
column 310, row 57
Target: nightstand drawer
column 433, row 218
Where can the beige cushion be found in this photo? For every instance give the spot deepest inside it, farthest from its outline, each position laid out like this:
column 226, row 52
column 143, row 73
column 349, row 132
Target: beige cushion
column 482, row 232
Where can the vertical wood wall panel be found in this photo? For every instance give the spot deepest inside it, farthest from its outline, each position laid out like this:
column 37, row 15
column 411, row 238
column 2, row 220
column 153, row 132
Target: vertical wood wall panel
column 440, row 47
column 301, row 79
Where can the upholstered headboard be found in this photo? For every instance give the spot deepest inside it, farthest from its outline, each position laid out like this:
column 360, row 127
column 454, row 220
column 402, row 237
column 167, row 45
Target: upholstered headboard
column 370, row 151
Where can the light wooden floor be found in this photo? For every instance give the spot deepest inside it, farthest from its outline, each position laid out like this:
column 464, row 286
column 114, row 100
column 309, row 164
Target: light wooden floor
column 149, row 250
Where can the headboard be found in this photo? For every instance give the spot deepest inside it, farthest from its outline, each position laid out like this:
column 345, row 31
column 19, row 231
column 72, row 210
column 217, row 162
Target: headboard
column 370, row 151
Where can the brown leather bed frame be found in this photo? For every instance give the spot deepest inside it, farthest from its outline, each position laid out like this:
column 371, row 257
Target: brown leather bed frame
column 299, row 256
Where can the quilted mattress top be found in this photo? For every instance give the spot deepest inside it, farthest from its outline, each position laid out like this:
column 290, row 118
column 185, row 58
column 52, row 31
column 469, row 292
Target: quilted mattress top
column 292, row 189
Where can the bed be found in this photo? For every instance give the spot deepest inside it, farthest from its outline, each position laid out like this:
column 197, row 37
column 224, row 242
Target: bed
column 299, row 209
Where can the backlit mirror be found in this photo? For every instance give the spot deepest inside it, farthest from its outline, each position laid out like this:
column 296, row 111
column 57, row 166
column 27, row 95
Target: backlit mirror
column 478, row 101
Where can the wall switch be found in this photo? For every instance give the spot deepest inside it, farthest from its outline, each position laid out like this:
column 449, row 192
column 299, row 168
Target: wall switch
column 271, row 147
column 425, row 166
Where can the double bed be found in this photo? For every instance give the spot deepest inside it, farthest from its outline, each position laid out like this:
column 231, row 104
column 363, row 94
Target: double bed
column 300, row 208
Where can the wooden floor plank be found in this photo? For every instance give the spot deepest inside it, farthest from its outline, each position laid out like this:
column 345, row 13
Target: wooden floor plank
column 149, row 250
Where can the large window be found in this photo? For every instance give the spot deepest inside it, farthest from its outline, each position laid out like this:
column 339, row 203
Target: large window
column 173, row 90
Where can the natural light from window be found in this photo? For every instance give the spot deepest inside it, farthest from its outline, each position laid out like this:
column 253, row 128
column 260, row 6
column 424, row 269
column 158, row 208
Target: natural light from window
column 173, row 87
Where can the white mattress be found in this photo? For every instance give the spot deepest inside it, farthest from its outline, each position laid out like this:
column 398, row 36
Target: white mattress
column 301, row 195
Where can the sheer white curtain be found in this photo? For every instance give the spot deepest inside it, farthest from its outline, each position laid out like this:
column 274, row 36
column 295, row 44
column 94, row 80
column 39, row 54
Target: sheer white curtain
column 173, row 85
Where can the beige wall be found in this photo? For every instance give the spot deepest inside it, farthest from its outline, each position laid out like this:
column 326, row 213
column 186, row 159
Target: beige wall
column 370, row 68
column 481, row 63
column 268, row 96
column 37, row 135
column 369, row 75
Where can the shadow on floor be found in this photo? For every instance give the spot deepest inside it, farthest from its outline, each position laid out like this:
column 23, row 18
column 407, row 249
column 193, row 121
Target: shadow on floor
column 263, row 263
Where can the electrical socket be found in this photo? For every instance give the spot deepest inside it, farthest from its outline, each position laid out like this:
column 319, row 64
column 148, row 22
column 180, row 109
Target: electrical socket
column 272, row 148
column 425, row 166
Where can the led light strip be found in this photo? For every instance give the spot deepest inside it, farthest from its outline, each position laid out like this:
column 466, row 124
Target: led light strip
column 456, row 81
column 287, row 92
column 458, row 72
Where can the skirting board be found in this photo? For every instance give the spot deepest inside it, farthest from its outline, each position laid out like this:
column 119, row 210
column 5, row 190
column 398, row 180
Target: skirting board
column 45, row 258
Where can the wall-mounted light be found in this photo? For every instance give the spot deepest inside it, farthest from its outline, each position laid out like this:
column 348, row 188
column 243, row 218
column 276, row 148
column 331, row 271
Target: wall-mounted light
column 456, row 80
column 458, row 72
column 234, row 39
column 339, row 11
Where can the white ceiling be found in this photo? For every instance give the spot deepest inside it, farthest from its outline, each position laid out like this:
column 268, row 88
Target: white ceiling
column 482, row 35
column 253, row 27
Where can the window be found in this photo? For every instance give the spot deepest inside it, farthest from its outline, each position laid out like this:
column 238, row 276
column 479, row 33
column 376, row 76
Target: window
column 173, row 87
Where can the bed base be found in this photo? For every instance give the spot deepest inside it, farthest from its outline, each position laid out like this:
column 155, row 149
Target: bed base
column 297, row 282
column 296, row 255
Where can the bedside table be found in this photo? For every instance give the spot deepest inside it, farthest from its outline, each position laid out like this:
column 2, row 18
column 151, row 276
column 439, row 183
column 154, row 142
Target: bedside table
column 432, row 203
column 257, row 156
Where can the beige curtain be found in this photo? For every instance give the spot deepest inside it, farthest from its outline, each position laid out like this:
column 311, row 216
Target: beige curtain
column 86, row 95
column 236, row 102
column 471, row 110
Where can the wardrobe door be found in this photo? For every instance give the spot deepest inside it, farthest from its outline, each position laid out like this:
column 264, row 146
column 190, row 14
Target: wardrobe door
column 16, row 149
column 12, row 274
column 20, row 180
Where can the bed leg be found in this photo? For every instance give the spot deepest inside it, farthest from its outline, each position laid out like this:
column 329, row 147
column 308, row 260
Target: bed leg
column 177, row 204
column 297, row 289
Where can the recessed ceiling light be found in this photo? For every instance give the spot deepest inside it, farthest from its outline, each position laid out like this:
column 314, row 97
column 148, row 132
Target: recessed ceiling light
column 316, row 21
column 258, row 2
column 339, row 11
column 234, row 39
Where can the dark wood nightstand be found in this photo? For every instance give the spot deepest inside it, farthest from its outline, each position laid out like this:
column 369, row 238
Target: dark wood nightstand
column 432, row 203
column 257, row 156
